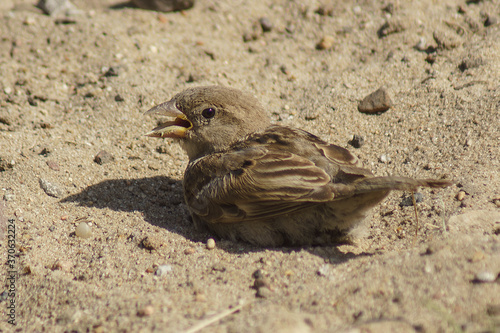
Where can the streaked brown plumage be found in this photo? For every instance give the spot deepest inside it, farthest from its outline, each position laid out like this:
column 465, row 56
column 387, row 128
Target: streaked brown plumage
column 268, row 185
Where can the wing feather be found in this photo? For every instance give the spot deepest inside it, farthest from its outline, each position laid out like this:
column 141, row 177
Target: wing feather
column 258, row 184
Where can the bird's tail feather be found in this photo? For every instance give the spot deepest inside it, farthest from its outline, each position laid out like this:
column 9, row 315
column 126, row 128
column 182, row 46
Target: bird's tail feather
column 376, row 184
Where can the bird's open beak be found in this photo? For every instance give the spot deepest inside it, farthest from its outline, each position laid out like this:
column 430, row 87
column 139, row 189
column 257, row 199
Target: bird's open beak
column 170, row 129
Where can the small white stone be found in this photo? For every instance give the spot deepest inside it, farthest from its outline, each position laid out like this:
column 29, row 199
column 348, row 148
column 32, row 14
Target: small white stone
column 210, row 244
column 485, row 277
column 384, row 158
column 163, row 270
column 83, row 230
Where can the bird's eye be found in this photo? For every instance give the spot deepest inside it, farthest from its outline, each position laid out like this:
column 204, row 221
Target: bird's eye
column 208, row 113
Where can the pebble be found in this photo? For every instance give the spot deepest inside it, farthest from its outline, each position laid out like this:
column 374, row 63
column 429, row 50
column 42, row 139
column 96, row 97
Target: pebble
column 63, row 265
column 6, row 163
column 265, row 24
column 111, row 72
column 162, row 149
column 391, row 27
column 325, row 43
column 384, row 158
column 103, row 157
column 493, row 310
column 58, row 7
column 146, row 311
column 378, row 101
column 4, row 295
column 389, row 8
column 357, row 141
column 471, row 61
column 261, row 285
column 53, row 165
column 219, row 268
column 325, row 10
column 312, row 113
column 152, row 242
column 421, row 45
column 164, row 5
column 9, row 196
column 163, row 270
column 83, row 230
column 6, row 119
column 52, row 189
column 290, row 28
column 485, row 277
column 45, row 151
column 460, row 196
column 263, row 292
column 189, row 250
column 210, row 244
column 477, row 256
column 99, row 329
column 29, row 20
column 496, row 200
column 490, row 20
column 408, row 200
column 446, row 39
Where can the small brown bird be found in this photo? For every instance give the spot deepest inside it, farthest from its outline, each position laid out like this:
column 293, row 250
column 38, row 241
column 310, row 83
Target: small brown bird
column 268, row 185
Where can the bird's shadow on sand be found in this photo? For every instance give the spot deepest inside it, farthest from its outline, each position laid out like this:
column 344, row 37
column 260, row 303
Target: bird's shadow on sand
column 161, row 202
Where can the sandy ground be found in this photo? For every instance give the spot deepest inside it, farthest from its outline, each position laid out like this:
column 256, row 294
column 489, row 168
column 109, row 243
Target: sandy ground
column 70, row 88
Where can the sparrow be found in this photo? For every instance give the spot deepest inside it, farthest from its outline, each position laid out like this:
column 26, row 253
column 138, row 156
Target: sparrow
column 268, row 185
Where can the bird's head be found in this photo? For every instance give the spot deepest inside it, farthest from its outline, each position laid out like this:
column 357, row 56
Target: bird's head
column 209, row 119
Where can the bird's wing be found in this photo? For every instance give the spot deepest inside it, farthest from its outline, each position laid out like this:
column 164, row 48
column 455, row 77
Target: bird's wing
column 254, row 183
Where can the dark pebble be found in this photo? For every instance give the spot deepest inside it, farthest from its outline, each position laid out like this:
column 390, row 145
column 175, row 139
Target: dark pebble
column 32, row 101
column 265, row 24
column 45, row 152
column 164, row 5
column 378, row 101
column 103, row 157
column 4, row 296
column 325, row 10
column 389, row 8
column 111, row 72
column 357, row 141
column 257, row 274
column 408, row 200
column 493, row 310
column 162, row 149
